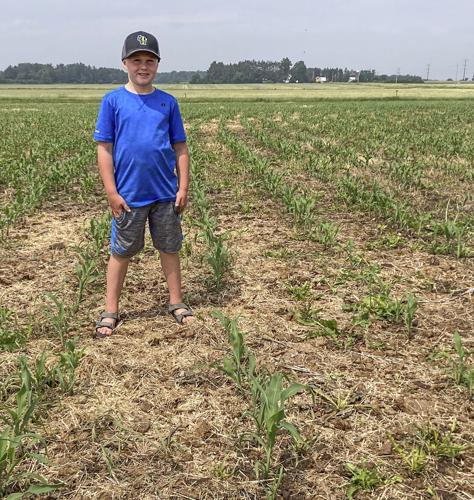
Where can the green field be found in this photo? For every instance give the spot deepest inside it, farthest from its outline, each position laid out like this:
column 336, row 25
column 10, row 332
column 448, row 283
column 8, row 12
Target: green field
column 328, row 259
column 251, row 92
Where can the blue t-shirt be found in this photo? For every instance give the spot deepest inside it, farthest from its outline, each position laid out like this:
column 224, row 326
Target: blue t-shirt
column 143, row 128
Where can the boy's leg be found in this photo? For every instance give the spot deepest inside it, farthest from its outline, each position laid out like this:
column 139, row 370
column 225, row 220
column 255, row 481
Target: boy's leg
column 172, row 271
column 165, row 228
column 126, row 240
column 116, row 272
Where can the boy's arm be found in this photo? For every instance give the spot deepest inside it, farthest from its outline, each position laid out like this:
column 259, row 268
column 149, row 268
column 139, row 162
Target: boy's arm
column 182, row 169
column 106, row 170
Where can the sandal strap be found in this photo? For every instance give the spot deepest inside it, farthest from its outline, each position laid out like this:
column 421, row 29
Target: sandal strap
column 111, row 315
column 179, row 317
column 173, row 307
column 104, row 324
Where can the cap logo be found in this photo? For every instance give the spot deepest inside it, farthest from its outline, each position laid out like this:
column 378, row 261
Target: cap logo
column 142, row 39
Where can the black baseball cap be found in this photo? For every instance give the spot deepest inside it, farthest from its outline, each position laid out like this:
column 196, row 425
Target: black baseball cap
column 140, row 41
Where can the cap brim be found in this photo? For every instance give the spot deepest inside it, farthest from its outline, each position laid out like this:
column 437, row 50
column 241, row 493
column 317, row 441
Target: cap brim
column 141, row 50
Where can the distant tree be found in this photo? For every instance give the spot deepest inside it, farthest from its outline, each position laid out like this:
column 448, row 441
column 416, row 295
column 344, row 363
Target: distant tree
column 196, row 78
column 46, row 74
column 10, row 73
column 285, row 66
column 299, row 73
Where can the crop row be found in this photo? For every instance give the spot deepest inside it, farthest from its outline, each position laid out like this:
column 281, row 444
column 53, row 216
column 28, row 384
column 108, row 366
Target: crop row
column 451, row 235
column 43, row 151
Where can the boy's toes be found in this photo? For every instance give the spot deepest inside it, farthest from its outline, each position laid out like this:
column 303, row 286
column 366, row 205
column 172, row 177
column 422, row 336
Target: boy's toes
column 105, row 331
column 185, row 319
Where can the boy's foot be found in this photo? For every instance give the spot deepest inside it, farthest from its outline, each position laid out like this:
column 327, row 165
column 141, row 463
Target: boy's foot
column 182, row 313
column 105, row 328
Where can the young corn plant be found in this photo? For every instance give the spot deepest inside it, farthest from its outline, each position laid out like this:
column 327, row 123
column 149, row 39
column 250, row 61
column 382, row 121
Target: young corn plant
column 440, row 444
column 455, row 234
column 58, row 318
column 413, row 456
column 65, row 370
column 463, row 371
column 86, row 274
column 217, row 255
column 219, row 259
column 232, row 365
column 99, row 229
column 410, row 310
column 269, row 397
column 362, row 478
column 12, row 337
column 326, row 234
column 16, row 442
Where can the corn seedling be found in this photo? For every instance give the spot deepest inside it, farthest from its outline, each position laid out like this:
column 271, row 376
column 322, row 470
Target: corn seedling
column 232, row 366
column 413, row 456
column 410, row 310
column 307, row 315
column 65, row 370
column 219, row 259
column 16, row 440
column 325, row 328
column 59, row 318
column 99, row 230
column 86, row 274
column 269, row 398
column 363, row 478
column 301, row 292
column 463, row 372
column 440, row 444
column 326, row 234
column 339, row 401
column 12, row 337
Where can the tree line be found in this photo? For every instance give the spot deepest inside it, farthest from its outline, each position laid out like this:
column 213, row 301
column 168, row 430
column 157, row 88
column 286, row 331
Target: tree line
column 81, row 73
column 218, row 72
column 284, row 71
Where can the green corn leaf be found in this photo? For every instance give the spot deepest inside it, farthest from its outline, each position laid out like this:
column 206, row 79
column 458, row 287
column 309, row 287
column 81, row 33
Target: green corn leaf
column 291, row 429
column 292, row 390
column 459, row 346
column 39, row 489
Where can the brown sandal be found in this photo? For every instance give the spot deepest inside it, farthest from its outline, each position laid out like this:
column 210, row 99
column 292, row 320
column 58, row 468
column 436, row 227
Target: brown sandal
column 179, row 317
column 106, row 324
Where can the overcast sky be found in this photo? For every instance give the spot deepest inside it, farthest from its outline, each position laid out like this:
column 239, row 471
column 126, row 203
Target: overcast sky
column 371, row 34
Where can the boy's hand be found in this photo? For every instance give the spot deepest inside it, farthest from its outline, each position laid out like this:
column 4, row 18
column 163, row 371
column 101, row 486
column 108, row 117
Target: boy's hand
column 117, row 204
column 181, row 200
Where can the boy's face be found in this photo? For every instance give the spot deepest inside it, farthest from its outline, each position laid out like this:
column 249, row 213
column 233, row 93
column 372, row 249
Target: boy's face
column 141, row 68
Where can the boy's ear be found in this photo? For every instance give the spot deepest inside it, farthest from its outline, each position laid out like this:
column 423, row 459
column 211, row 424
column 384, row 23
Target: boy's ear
column 124, row 65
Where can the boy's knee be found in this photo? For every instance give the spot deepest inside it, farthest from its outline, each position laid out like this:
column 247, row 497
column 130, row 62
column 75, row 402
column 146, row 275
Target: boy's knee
column 119, row 258
column 168, row 247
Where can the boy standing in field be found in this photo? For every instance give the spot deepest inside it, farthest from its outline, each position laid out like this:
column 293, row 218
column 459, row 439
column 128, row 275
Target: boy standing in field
column 141, row 143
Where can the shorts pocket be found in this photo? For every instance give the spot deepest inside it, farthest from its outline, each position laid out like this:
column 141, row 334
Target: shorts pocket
column 120, row 218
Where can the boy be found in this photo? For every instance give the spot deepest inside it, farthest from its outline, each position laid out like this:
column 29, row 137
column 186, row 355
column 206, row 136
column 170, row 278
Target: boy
column 141, row 141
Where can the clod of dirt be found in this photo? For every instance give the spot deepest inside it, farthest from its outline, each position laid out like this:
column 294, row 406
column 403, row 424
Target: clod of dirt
column 59, row 245
column 386, row 448
column 141, row 425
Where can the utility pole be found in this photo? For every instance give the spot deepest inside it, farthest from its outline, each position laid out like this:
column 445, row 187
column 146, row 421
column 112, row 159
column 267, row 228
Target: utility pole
column 428, row 72
column 464, row 70
column 398, row 74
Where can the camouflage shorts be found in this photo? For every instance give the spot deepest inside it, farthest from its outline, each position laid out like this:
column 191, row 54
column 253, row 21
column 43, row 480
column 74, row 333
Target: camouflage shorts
column 128, row 229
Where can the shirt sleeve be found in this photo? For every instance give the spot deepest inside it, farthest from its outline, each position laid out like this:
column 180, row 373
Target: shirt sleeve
column 105, row 126
column 177, row 133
